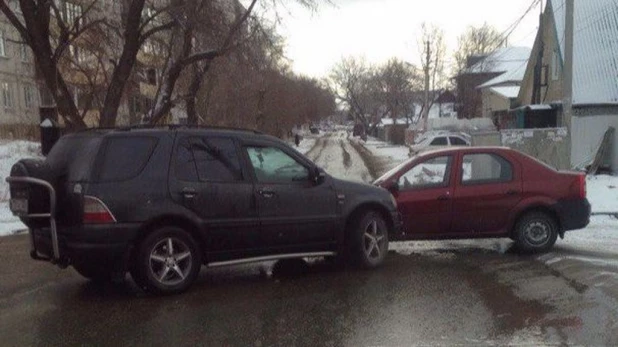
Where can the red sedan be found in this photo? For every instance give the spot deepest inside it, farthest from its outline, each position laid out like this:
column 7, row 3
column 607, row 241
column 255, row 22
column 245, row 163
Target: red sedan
column 481, row 192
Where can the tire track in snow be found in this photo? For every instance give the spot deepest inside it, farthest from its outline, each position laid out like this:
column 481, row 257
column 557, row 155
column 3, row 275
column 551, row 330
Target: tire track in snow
column 336, row 158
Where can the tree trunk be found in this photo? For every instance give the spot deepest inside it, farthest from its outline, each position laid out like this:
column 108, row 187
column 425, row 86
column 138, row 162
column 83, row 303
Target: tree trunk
column 194, row 88
column 122, row 71
column 175, row 64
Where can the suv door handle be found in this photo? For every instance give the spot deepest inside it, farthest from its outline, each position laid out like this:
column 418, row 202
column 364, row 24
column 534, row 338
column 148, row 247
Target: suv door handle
column 189, row 193
column 266, row 193
column 511, row 192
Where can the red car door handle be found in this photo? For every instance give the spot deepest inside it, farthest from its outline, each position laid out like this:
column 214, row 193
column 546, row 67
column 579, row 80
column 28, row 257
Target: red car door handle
column 444, row 197
column 511, row 192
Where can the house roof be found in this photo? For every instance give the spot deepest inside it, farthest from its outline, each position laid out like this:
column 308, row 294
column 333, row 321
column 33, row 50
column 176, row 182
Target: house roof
column 595, row 43
column 505, row 59
column 509, row 92
column 391, row 121
column 515, row 75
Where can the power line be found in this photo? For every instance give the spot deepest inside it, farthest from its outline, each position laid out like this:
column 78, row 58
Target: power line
column 508, row 31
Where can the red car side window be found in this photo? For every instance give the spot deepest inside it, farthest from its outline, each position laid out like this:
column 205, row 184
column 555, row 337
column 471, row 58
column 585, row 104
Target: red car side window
column 482, row 168
column 434, row 172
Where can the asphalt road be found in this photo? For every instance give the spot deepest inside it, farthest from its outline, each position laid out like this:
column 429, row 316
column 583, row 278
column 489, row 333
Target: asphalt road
column 425, row 294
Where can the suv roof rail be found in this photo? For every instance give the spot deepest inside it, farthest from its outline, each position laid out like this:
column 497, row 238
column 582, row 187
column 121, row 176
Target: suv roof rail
column 170, row 127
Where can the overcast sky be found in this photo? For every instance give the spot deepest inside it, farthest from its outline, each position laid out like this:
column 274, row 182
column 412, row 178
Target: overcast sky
column 381, row 29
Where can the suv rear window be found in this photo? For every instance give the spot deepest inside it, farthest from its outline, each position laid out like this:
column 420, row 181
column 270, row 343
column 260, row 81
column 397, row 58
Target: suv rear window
column 72, row 156
column 125, row 157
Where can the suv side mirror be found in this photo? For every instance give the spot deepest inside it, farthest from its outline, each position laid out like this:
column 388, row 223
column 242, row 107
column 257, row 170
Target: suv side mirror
column 317, row 175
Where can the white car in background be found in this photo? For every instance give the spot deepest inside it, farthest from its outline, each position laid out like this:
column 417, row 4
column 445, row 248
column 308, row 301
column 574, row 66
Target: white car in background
column 434, row 140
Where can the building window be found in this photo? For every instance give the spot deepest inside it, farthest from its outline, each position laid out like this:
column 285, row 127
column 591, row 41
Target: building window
column 29, row 96
column 7, row 94
column 73, row 14
column 24, row 53
column 2, row 44
column 555, row 66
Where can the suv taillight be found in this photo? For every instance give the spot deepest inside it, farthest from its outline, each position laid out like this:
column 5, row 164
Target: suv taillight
column 95, row 211
column 582, row 186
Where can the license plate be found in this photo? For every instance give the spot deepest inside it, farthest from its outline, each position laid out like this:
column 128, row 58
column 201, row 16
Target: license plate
column 19, row 207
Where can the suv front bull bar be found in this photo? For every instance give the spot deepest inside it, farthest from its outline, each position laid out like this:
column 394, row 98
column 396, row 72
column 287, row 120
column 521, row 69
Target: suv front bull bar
column 55, row 259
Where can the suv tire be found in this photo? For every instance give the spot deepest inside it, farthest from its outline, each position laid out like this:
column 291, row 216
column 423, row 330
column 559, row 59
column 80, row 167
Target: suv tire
column 167, row 261
column 535, row 232
column 368, row 240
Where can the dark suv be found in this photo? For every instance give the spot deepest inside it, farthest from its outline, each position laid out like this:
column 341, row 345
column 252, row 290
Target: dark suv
column 160, row 203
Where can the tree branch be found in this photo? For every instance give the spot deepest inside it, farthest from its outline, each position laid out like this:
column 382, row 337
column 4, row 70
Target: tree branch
column 64, row 42
column 209, row 55
column 14, row 20
column 150, row 32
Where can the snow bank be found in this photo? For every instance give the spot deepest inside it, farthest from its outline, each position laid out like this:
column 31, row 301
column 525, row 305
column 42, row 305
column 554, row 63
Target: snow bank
column 603, row 193
column 10, row 153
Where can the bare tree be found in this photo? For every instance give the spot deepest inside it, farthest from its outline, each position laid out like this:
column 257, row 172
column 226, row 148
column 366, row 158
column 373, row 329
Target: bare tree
column 352, row 83
column 55, row 33
column 432, row 50
column 252, row 86
column 192, row 47
column 476, row 41
column 55, row 30
column 397, row 81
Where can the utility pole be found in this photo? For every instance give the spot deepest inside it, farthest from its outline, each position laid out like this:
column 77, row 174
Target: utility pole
column 538, row 68
column 568, row 65
column 567, row 104
column 427, row 70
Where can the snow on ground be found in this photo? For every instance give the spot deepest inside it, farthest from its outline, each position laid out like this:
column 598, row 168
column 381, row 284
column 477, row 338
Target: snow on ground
column 340, row 160
column 603, row 193
column 10, row 153
column 391, row 155
column 306, row 143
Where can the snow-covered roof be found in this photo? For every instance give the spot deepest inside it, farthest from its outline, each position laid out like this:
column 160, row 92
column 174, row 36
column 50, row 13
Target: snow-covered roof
column 504, row 59
column 391, row 121
column 595, row 49
column 536, row 107
column 514, row 75
column 509, row 92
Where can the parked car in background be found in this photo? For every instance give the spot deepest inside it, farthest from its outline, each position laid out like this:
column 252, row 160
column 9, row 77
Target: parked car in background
column 440, row 139
column 480, row 192
column 160, row 203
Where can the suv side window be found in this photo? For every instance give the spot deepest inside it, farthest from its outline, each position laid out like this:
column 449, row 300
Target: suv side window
column 485, row 168
column 272, row 165
column 208, row 160
column 125, row 157
column 456, row 141
column 438, row 141
column 434, row 172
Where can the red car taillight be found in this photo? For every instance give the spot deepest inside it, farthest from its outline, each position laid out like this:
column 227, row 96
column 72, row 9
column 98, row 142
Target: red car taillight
column 582, row 186
column 95, row 212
